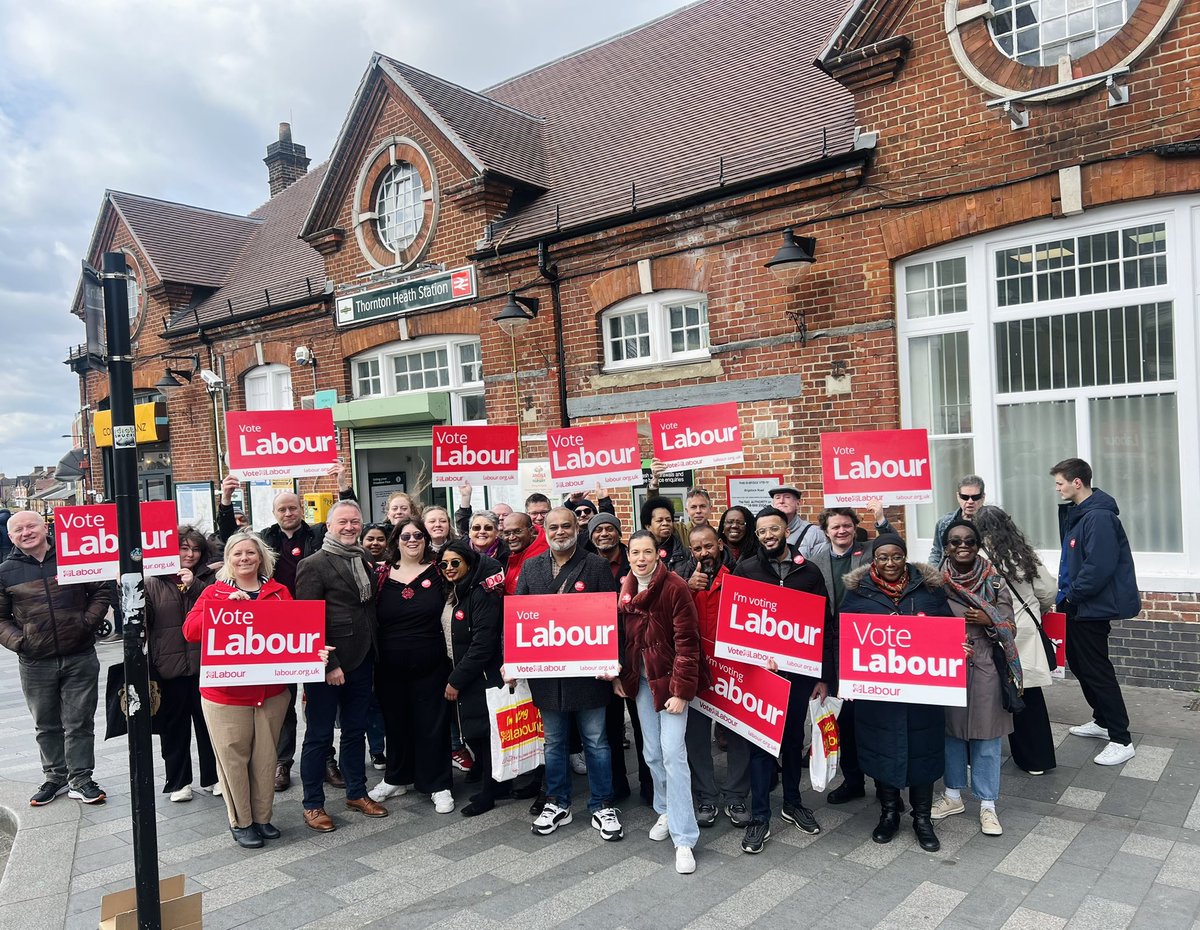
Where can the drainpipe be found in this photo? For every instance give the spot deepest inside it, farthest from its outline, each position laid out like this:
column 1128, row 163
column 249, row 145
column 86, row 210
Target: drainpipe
column 550, row 273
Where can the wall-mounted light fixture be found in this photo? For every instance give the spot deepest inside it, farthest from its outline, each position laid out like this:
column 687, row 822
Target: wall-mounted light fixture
column 516, row 313
column 794, row 257
column 175, row 378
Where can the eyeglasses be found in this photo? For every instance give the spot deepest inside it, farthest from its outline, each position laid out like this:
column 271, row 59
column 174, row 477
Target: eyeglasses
column 970, row 497
column 962, row 542
column 892, row 559
column 450, row 563
column 409, row 537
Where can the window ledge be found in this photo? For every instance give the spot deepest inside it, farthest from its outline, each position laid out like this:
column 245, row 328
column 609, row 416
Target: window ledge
column 654, row 374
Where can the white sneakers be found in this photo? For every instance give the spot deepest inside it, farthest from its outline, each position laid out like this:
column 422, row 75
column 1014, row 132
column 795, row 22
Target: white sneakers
column 1115, row 754
column 1090, row 729
column 443, row 802
column 943, row 807
column 660, row 831
column 578, row 763
column 183, row 794
column 608, row 821
column 989, row 823
column 551, row 818
column 383, row 791
column 685, row 862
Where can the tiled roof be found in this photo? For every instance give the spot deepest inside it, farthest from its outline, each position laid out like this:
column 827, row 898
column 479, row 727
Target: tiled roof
column 184, row 244
column 274, row 267
column 504, row 139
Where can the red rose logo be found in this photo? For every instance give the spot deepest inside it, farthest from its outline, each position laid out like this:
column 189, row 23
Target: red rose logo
column 626, row 598
column 426, row 583
column 458, row 615
column 296, row 552
column 1072, row 544
column 579, row 586
column 799, row 560
column 662, row 553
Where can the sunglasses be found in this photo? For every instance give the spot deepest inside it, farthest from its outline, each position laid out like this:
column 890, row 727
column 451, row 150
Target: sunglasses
column 584, row 512
column 450, row 563
column 409, row 537
column 970, row 497
column 962, row 542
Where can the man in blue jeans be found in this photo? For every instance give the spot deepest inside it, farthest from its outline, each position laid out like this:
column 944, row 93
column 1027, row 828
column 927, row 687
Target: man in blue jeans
column 567, row 568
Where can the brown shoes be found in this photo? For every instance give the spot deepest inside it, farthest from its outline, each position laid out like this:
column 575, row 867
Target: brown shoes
column 366, row 806
column 319, row 820
column 333, row 775
column 283, row 777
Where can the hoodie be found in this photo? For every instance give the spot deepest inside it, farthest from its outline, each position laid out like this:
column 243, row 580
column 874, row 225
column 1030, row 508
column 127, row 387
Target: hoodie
column 1096, row 578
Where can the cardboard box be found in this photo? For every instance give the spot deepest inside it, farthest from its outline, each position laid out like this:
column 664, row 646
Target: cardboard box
column 118, row 911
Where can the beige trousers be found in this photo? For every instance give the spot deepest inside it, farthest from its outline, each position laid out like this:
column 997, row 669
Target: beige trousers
column 244, row 741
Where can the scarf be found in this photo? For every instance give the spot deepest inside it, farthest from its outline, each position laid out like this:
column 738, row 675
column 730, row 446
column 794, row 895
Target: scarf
column 354, row 555
column 979, row 587
column 893, row 589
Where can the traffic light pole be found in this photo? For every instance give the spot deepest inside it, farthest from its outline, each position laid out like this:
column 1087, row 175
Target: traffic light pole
column 132, row 592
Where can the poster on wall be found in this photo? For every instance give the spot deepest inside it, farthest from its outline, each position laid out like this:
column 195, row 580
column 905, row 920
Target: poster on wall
column 194, row 501
column 750, row 491
column 892, row 464
column 382, row 485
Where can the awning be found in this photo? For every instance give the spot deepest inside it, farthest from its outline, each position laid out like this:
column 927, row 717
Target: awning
column 71, row 466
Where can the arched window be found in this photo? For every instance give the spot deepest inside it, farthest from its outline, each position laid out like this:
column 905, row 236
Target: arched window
column 653, row 329
column 269, row 387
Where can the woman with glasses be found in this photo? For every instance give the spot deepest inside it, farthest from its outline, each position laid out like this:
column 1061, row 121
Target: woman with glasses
column 734, row 530
column 438, row 526
column 411, row 670
column 899, row 744
column 978, row 594
column 472, row 625
column 374, row 542
column 175, row 663
column 483, row 532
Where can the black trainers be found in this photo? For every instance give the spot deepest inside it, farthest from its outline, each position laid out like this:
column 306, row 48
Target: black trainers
column 756, row 837
column 844, row 792
column 738, row 815
column 89, row 793
column 47, row 793
column 706, row 815
column 802, row 817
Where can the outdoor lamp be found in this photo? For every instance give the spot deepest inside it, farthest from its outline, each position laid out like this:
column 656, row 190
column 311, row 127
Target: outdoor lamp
column 516, row 313
column 794, row 257
column 170, row 381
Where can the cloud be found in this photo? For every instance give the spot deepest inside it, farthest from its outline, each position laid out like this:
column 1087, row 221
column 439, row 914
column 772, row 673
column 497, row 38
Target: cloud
column 179, row 101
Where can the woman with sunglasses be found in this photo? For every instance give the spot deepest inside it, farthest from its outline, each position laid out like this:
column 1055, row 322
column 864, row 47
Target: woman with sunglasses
column 734, row 530
column 483, row 532
column 438, row 526
column 899, row 744
column 411, row 671
column 472, row 625
column 978, row 594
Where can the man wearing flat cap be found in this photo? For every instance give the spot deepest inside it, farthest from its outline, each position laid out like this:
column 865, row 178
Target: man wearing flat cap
column 806, row 538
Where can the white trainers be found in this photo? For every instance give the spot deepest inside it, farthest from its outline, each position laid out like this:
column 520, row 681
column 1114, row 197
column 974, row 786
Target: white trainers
column 660, row 831
column 989, row 823
column 1115, row 754
column 578, row 763
column 183, row 794
column 551, row 818
column 685, row 862
column 443, row 802
column 1091, row 728
column 608, row 821
column 943, row 807
column 383, row 791
column 217, row 790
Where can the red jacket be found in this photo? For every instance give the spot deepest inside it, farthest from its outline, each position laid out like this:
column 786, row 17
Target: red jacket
column 512, row 571
column 193, row 626
column 707, row 606
column 659, row 627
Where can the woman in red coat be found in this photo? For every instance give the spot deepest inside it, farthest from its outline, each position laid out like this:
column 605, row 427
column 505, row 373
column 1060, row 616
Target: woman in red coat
column 244, row 720
column 662, row 669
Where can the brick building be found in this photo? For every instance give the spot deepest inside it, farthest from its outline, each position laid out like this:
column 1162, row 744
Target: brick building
column 1003, row 199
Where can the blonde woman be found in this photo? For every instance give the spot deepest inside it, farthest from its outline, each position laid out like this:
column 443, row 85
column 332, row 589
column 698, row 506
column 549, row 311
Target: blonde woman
column 401, row 506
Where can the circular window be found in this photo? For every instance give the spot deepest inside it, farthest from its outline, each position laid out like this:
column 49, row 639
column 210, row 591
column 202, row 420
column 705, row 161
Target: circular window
column 1040, row 32
column 399, row 209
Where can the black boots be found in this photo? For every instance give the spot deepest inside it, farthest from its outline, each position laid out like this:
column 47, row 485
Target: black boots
column 891, row 807
column 921, row 799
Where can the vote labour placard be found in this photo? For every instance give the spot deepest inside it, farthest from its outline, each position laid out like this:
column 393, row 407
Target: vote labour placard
column 561, row 635
column 748, row 700
column 478, row 454
column 697, row 437
column 583, row 456
column 261, row 642
column 1054, row 625
column 892, row 464
column 280, row 443
column 911, row 660
column 85, row 541
column 758, row 621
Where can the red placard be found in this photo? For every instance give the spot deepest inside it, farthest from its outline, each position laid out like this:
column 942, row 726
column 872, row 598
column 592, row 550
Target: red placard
column 261, row 643
column 561, row 635
column 583, row 456
column 85, row 541
column 748, row 700
column 280, row 443
column 892, row 464
column 910, row 660
column 758, row 621
column 476, row 454
column 697, row 437
column 1054, row 625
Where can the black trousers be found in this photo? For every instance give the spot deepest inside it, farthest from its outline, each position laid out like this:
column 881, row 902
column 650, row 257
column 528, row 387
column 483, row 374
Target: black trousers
column 1031, row 742
column 411, row 689
column 178, row 714
column 791, row 752
column 1087, row 657
column 614, row 729
column 490, row 789
column 848, row 747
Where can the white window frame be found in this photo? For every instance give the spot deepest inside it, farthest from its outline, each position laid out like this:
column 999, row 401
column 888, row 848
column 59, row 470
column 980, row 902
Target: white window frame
column 278, row 382
column 1156, row 571
column 405, row 207
column 458, row 387
column 657, row 307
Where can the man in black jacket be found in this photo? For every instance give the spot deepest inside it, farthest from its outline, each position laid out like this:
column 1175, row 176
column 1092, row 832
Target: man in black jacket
column 568, row 568
column 777, row 563
column 52, row 628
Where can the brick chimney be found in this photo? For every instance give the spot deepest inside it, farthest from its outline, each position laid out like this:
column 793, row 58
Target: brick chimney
column 286, row 162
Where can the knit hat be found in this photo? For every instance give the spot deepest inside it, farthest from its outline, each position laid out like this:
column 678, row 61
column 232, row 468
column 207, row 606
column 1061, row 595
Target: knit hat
column 889, row 539
column 959, row 522
column 604, row 519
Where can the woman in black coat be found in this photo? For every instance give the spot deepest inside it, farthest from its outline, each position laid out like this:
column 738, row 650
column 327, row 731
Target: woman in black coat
column 474, row 597
column 899, row 744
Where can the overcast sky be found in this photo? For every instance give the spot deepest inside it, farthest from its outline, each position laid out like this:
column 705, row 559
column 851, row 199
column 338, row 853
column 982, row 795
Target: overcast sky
column 179, row 100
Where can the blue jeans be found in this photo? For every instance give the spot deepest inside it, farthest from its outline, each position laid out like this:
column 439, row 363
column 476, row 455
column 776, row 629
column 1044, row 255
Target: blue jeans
column 664, row 745
column 323, row 702
column 557, row 725
column 985, row 766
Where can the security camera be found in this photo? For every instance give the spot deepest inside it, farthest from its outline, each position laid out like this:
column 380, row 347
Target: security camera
column 211, row 379
column 304, row 355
